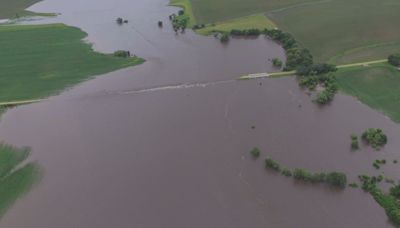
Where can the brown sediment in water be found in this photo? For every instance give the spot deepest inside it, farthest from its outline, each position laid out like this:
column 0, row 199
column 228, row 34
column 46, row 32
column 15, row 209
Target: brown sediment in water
column 164, row 145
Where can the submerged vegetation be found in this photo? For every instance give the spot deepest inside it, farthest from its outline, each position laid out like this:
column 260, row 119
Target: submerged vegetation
column 354, row 142
column 255, row 152
column 375, row 137
column 390, row 202
column 16, row 178
column 334, row 179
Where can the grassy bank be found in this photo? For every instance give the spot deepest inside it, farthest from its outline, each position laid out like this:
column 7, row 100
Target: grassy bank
column 339, row 31
column 39, row 60
column 16, row 8
column 256, row 21
column 377, row 86
column 16, row 178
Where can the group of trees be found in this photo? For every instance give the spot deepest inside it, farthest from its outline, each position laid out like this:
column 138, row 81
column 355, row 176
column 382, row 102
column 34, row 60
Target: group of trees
column 375, row 137
column 316, row 69
column 334, row 179
column 122, row 54
column 179, row 22
column 354, row 142
column 246, row 32
column 394, row 59
column 328, row 81
column 390, row 202
column 277, row 62
column 121, row 21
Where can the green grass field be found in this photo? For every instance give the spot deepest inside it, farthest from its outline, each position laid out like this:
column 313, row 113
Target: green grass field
column 40, row 60
column 258, row 21
column 15, row 180
column 338, row 31
column 377, row 86
column 12, row 8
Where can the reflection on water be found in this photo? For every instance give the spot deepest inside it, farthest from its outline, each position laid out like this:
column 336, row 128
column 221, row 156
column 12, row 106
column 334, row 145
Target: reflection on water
column 166, row 144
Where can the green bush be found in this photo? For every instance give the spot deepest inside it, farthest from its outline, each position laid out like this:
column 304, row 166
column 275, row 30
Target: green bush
column 255, row 152
column 271, row 164
column 277, row 62
column 336, row 179
column 122, row 54
column 354, row 142
column 224, row 38
column 394, row 59
column 375, row 137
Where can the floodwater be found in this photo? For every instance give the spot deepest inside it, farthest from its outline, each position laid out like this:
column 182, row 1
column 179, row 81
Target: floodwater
column 166, row 144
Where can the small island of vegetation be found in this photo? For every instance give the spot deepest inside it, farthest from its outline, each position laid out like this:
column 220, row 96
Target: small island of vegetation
column 375, row 137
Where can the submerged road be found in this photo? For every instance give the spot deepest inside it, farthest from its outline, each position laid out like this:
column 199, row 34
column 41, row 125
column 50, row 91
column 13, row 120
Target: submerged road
column 288, row 73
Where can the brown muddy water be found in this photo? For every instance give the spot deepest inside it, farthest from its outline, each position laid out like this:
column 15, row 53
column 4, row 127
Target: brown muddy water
column 166, row 144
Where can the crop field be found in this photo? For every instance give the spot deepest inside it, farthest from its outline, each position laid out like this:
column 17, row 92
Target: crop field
column 338, row 31
column 15, row 180
column 10, row 8
column 39, row 60
column 257, row 21
column 377, row 86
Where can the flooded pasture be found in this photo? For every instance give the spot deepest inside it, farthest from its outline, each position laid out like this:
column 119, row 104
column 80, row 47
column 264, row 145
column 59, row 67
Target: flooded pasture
column 166, row 143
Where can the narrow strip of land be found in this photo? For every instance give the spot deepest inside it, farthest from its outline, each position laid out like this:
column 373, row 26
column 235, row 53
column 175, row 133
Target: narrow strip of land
column 288, row 73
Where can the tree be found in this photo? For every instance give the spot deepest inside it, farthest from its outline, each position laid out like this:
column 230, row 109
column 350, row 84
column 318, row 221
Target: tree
column 277, row 62
column 337, row 179
column 224, row 38
column 120, row 21
column 394, row 59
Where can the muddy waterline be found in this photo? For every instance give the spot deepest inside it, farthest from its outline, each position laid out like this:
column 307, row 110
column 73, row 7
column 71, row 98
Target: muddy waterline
column 166, row 144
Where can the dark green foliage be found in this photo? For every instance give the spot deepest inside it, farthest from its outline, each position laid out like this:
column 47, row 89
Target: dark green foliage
column 388, row 201
column 245, row 32
column 298, row 57
column 255, row 152
column 277, row 62
column 336, row 179
column 324, row 97
column 181, row 12
column 375, row 137
column 394, row 59
column 287, row 172
column 395, row 191
column 285, row 39
column 353, row 185
column 271, row 164
column 122, row 54
column 301, row 174
column 179, row 22
column 309, row 82
column 354, row 142
column 395, row 161
column 224, row 38
column 376, row 165
column 316, row 69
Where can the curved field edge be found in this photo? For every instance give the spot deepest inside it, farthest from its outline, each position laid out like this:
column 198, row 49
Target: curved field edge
column 17, row 176
column 256, row 21
column 376, row 86
column 41, row 60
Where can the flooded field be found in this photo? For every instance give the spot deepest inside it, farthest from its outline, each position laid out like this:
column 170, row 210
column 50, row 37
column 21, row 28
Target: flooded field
column 166, row 144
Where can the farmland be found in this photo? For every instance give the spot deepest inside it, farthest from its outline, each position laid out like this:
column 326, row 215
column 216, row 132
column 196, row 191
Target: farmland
column 337, row 31
column 41, row 60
